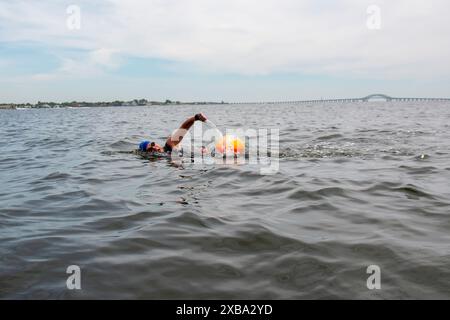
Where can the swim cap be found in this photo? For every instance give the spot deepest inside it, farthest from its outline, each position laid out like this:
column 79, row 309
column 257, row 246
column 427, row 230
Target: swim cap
column 143, row 145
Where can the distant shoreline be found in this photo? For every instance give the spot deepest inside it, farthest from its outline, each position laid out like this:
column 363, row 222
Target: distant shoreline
column 117, row 103
column 145, row 102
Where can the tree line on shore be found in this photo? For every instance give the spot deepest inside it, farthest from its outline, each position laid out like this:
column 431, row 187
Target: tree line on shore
column 116, row 103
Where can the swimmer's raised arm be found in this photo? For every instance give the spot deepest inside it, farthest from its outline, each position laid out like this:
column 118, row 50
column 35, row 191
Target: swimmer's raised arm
column 176, row 137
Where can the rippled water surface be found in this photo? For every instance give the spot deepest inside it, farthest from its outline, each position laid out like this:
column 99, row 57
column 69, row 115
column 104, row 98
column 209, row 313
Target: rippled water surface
column 358, row 184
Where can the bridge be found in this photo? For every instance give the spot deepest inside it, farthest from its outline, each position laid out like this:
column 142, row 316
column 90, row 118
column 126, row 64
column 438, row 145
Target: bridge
column 377, row 96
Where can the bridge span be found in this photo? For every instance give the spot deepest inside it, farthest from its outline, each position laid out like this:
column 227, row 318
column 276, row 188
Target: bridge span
column 377, row 96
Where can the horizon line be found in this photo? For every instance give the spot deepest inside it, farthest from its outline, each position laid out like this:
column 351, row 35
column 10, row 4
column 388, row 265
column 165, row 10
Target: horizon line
column 145, row 101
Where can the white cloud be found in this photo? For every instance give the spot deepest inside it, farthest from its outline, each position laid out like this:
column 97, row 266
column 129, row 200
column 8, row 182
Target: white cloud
column 104, row 57
column 93, row 64
column 246, row 36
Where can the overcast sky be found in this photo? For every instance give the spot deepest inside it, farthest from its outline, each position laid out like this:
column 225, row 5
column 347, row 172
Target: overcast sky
column 233, row 50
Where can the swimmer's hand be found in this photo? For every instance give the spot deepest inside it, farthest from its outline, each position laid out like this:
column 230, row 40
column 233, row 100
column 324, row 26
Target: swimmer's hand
column 200, row 117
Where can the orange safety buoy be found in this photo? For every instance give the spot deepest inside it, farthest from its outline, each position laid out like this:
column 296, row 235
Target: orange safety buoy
column 230, row 143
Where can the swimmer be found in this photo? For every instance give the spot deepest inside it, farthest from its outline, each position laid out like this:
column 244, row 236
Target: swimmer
column 174, row 139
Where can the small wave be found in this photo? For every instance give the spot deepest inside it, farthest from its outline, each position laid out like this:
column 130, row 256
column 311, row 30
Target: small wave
column 57, row 176
column 122, row 145
column 419, row 170
column 398, row 151
column 47, row 142
column 409, row 190
column 330, row 137
column 111, row 153
column 422, row 157
column 413, row 192
column 320, row 151
column 54, row 176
